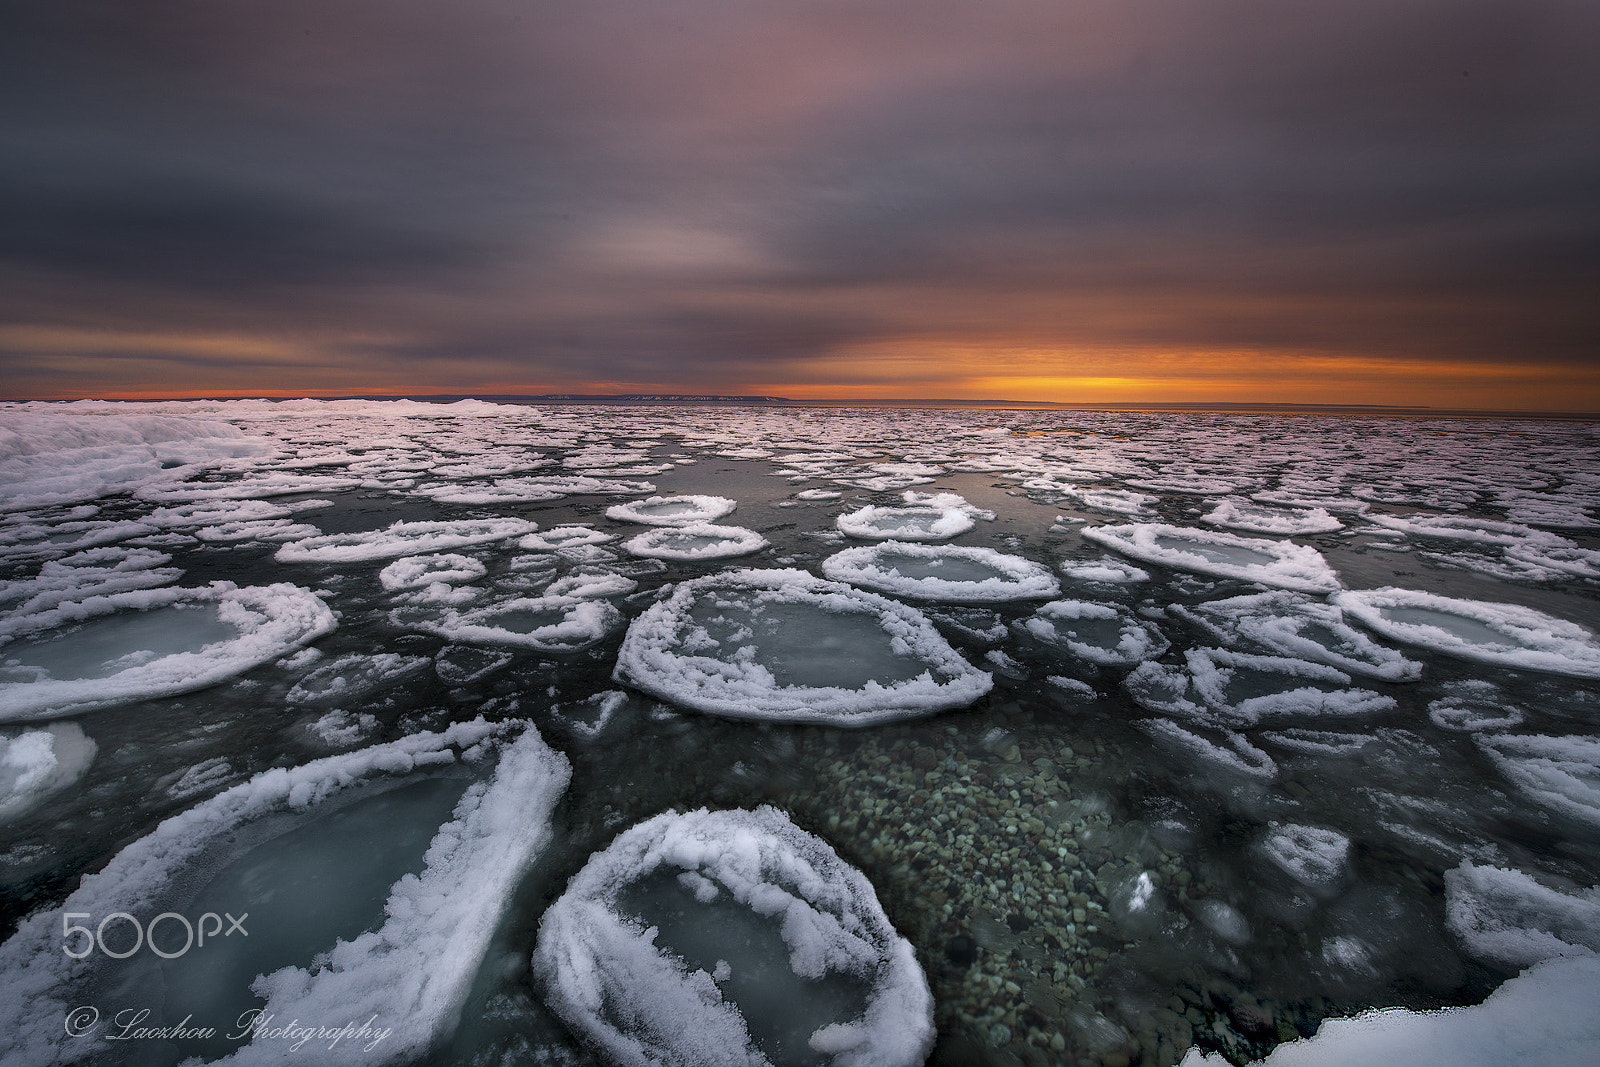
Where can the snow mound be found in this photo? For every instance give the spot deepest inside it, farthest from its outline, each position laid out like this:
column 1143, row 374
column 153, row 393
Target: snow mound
column 1548, row 1015
column 672, row 510
column 148, row 643
column 412, row 969
column 1239, row 514
column 36, row 763
column 1232, row 689
column 419, row 572
column 1509, row 919
column 1277, row 563
column 785, row 645
column 731, row 937
column 904, row 524
column 1507, row 635
column 545, row 624
column 1104, row 634
column 401, row 539
column 695, row 541
column 948, row 573
column 1292, row 624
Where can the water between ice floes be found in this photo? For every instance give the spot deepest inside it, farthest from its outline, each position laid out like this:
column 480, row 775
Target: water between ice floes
column 1089, row 869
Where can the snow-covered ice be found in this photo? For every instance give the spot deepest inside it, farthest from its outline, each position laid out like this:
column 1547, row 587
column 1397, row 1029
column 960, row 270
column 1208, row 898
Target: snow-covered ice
column 401, row 539
column 788, row 646
column 731, row 937
column 948, row 573
column 36, row 763
column 1277, row 563
column 1292, row 624
column 672, row 510
column 695, row 541
column 1106, row 635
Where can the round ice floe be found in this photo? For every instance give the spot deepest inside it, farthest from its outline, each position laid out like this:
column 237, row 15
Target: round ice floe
column 904, row 524
column 731, row 937
column 1474, row 707
column 1313, row 856
column 398, row 932
column 695, row 541
column 1257, row 518
column 401, row 539
column 1104, row 634
column 36, row 763
column 150, row 643
column 1224, row 688
column 544, row 624
column 419, row 572
column 1279, row 563
column 1102, row 571
column 1293, row 624
column 1508, row 635
column 786, row 645
column 948, row 573
column 1507, row 918
column 672, row 510
column 560, row 537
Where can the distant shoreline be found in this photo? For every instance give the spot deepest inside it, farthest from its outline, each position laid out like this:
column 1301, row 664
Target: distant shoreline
column 673, row 399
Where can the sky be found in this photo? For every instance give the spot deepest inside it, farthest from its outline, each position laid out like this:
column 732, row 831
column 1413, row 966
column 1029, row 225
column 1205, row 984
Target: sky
column 1166, row 201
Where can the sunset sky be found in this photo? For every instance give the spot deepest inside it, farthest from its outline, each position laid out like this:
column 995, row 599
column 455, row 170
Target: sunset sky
column 1344, row 202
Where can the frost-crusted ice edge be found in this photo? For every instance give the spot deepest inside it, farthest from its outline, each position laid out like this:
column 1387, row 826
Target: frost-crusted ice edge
column 1533, row 640
column 273, row 620
column 916, row 523
column 414, row 972
column 1293, row 566
column 872, row 566
column 649, row 661
column 589, row 957
column 579, row 622
column 401, row 539
column 1053, row 627
column 696, row 509
column 667, row 542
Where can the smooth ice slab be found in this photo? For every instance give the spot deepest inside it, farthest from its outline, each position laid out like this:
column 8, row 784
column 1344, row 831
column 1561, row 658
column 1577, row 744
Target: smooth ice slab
column 1292, row 624
column 413, row 966
column 947, row 573
column 904, row 524
column 731, row 937
column 786, row 645
column 1507, row 635
column 149, row 643
column 1106, row 635
column 672, row 510
column 695, row 541
column 1278, row 563
column 401, row 539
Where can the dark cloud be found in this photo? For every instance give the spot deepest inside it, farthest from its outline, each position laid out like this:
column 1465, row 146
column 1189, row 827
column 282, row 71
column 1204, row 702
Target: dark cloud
column 656, row 192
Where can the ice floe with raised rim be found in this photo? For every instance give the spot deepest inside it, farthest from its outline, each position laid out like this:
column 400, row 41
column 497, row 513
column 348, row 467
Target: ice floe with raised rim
column 1121, row 501
column 93, row 572
column 682, row 510
column 947, row 573
column 1474, row 706
column 1251, row 517
column 1107, row 635
column 551, row 623
column 36, row 763
column 412, row 970
column 1227, row 749
column 1292, row 624
column 1462, row 528
column 1561, row 773
column 911, row 523
column 419, row 572
column 789, row 646
column 1506, row 917
column 402, row 539
column 1105, row 571
column 559, row 538
column 1506, row 635
column 354, row 676
column 148, row 643
column 695, row 541
column 1235, row 689
column 1276, row 563
column 731, row 937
